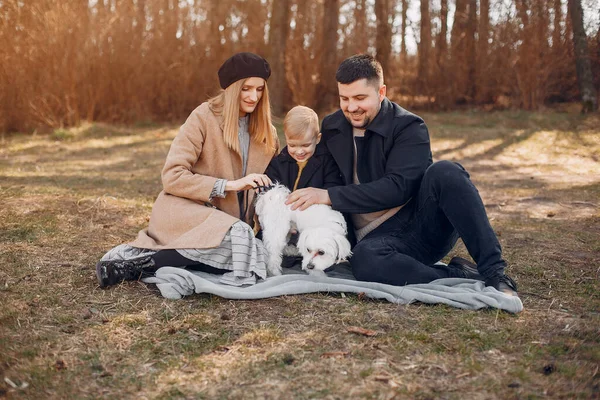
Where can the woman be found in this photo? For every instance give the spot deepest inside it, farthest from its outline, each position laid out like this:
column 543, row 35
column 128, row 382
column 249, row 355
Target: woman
column 216, row 160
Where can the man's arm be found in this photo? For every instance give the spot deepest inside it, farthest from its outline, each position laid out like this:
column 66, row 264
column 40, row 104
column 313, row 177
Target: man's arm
column 405, row 167
column 332, row 175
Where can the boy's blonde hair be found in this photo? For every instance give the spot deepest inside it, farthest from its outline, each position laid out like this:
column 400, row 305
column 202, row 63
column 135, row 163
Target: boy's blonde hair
column 227, row 104
column 299, row 122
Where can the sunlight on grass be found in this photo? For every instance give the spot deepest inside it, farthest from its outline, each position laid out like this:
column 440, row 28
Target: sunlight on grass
column 69, row 196
column 474, row 150
column 540, row 160
column 261, row 337
column 130, row 320
column 568, row 154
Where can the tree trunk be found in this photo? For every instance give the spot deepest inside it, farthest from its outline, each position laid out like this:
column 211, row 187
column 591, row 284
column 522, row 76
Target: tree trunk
column 327, row 91
column 458, row 52
column 218, row 43
column 556, row 33
column 254, row 39
column 403, row 51
column 440, row 76
column 471, row 51
column 383, row 37
column 442, row 40
column 526, row 75
column 360, row 32
column 141, row 20
column 482, row 52
column 424, row 49
column 585, row 78
column 278, row 33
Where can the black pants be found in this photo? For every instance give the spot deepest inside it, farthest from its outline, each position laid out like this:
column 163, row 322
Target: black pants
column 447, row 206
column 172, row 258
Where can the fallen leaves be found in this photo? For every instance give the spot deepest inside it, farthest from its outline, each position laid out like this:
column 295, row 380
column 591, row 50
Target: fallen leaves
column 361, row 331
column 60, row 365
column 386, row 379
column 335, row 354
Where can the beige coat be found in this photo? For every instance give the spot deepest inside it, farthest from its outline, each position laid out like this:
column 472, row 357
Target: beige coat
column 197, row 158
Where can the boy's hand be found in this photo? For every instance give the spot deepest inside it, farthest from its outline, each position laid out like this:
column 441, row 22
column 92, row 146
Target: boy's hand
column 304, row 198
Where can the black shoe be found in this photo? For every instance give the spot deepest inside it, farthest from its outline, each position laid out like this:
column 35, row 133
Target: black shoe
column 503, row 284
column 291, row 261
column 463, row 268
column 112, row 272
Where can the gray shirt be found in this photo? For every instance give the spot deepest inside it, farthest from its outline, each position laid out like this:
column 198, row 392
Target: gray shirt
column 244, row 138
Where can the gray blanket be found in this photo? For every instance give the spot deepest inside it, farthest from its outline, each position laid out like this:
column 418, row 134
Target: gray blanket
column 174, row 283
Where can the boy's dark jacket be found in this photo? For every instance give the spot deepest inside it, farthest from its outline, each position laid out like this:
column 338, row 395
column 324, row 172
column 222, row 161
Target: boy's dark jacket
column 320, row 171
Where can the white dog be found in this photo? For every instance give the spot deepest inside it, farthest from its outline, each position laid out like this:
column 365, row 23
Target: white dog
column 322, row 232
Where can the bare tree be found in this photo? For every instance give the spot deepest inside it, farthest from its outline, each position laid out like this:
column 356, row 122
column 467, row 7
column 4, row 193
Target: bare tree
column 218, row 41
column 383, row 38
column 471, row 31
column 525, row 74
column 403, row 20
column 585, row 77
column 556, row 32
column 424, row 49
column 303, row 55
column 360, row 39
column 133, row 60
column 458, row 51
column 327, row 89
column 440, row 75
column 278, row 33
column 482, row 52
column 441, row 43
column 252, row 28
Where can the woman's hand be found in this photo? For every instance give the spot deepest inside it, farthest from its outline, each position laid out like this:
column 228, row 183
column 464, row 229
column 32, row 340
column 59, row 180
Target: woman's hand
column 250, row 181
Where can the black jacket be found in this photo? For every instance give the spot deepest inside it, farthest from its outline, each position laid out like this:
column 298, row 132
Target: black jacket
column 320, row 170
column 396, row 153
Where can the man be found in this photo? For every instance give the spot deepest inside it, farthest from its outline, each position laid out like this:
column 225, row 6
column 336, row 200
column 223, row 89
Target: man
column 406, row 212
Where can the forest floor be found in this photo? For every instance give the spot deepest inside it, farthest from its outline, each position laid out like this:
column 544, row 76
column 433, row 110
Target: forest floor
column 69, row 196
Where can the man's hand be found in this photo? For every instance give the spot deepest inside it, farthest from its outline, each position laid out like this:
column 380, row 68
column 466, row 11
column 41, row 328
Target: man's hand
column 304, row 198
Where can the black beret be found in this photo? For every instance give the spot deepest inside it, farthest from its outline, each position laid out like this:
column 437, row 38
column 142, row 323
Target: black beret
column 243, row 65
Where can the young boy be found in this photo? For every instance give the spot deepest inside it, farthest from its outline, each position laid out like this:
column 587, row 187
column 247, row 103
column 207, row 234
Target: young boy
column 302, row 163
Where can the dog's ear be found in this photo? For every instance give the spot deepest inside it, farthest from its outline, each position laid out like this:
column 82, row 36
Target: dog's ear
column 344, row 250
column 301, row 241
column 260, row 204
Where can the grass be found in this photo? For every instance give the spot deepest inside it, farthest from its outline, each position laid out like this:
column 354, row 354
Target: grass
column 69, row 196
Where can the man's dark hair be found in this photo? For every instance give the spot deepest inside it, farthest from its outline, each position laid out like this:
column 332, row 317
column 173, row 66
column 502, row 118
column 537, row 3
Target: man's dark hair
column 360, row 66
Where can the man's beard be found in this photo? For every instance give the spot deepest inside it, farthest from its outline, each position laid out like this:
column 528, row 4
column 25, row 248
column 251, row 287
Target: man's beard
column 365, row 123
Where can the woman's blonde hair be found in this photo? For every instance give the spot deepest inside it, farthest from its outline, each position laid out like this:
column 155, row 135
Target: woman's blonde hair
column 227, row 104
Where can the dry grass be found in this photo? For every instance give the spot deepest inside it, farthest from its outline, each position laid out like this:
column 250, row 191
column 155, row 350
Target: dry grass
column 68, row 197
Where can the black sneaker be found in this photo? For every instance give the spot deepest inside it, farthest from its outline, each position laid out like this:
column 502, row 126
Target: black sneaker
column 503, row 284
column 463, row 268
column 112, row 272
